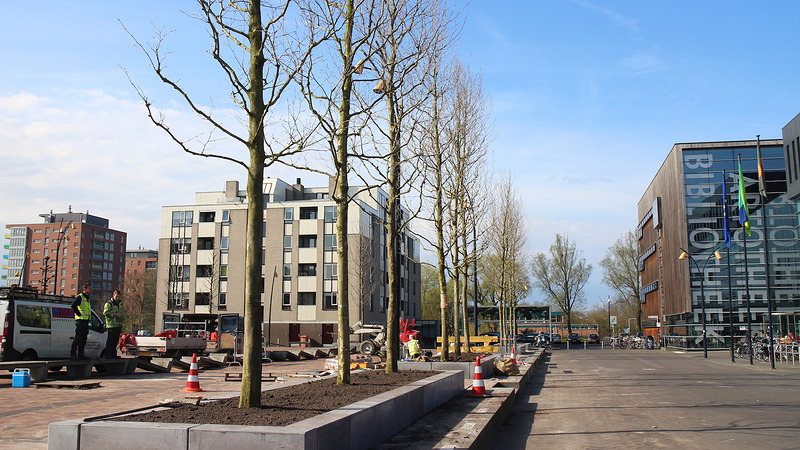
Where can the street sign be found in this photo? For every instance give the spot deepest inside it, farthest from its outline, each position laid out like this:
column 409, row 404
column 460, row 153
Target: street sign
column 613, row 320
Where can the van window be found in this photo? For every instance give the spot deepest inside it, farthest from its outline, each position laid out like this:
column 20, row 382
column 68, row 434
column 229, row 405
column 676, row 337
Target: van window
column 95, row 324
column 33, row 316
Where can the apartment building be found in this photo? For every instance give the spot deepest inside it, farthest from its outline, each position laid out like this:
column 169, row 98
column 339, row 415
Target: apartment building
column 202, row 260
column 64, row 251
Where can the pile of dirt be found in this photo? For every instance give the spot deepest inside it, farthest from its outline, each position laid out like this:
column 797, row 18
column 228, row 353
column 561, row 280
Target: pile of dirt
column 287, row 405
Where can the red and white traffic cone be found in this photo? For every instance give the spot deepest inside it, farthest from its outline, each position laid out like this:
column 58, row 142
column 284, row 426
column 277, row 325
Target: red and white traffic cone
column 193, row 381
column 478, row 388
column 514, row 355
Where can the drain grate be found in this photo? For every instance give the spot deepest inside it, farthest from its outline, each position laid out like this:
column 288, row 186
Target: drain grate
column 567, row 371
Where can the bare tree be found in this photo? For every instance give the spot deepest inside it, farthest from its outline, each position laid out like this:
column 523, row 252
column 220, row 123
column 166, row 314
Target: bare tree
column 337, row 105
column 139, row 301
column 562, row 276
column 507, row 271
column 468, row 138
column 621, row 273
column 413, row 31
column 244, row 36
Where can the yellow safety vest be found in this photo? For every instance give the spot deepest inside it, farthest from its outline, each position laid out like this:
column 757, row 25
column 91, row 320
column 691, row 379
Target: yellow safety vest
column 84, row 307
column 413, row 347
column 113, row 314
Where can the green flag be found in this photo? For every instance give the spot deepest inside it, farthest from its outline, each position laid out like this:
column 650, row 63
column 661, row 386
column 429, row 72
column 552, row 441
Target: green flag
column 744, row 214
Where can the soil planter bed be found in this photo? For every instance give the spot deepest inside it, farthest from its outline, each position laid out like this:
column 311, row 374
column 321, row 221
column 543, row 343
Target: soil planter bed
column 356, row 425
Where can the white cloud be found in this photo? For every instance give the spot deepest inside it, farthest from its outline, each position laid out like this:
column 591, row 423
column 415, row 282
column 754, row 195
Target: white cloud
column 89, row 150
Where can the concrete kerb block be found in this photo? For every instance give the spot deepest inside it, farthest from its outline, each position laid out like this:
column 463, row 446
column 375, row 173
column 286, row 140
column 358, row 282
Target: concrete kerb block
column 135, row 435
column 64, row 435
column 216, row 436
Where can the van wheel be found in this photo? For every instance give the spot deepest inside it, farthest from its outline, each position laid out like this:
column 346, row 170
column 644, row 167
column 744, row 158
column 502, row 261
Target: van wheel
column 30, row 355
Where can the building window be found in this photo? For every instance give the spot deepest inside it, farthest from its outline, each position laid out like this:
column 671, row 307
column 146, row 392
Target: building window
column 329, row 300
column 222, row 302
column 330, row 214
column 223, row 273
column 205, row 243
column 223, row 244
column 287, row 270
column 206, row 216
column 329, row 242
column 178, row 301
column 288, row 214
column 226, row 216
column 307, row 270
column 287, row 242
column 308, row 213
column 202, row 299
column 181, row 246
column 306, row 298
column 287, row 301
column 203, row 271
column 308, row 241
column 329, row 271
column 182, row 218
column 179, row 273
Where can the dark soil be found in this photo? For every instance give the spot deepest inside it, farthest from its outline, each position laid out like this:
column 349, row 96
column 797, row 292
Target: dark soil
column 286, row 405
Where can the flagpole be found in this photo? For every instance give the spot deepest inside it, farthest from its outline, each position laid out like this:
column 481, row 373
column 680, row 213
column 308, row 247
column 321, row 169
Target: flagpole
column 744, row 220
column 762, row 192
column 726, row 225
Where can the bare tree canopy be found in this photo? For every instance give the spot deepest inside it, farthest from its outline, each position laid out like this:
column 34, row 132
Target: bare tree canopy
column 621, row 273
column 244, row 36
column 562, row 276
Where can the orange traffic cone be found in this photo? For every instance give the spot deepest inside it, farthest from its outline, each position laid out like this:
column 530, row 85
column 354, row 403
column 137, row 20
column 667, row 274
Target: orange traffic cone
column 193, row 381
column 478, row 388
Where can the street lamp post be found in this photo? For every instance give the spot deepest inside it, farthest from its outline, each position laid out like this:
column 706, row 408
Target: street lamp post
column 702, row 271
column 609, row 317
column 63, row 235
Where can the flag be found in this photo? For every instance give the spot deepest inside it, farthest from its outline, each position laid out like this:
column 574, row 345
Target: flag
column 744, row 214
column 762, row 188
column 725, row 219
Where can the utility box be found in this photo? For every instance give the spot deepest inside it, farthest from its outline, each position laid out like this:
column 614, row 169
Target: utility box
column 21, row 378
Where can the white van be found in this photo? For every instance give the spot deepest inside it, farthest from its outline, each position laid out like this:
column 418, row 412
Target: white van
column 40, row 326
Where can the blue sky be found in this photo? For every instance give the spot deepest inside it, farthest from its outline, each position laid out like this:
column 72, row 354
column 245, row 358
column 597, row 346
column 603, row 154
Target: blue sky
column 587, row 99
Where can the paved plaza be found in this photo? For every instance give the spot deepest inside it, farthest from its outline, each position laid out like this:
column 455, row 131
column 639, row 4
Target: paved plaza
column 604, row 399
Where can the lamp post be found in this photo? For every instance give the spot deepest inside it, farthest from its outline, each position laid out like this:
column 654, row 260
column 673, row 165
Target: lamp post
column 610, row 333
column 702, row 271
column 62, row 236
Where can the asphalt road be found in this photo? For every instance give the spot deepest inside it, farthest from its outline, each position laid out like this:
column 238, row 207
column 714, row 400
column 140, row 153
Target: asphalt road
column 602, row 398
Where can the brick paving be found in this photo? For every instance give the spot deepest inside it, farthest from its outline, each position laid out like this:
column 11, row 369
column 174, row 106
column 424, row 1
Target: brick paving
column 25, row 413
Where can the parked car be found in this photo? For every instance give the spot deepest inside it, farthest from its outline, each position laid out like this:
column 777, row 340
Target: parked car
column 593, row 338
column 522, row 338
column 574, row 338
column 555, row 338
column 543, row 340
column 532, row 336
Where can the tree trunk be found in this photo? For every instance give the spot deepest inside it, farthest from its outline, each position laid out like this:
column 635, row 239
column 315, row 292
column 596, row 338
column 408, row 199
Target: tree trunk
column 342, row 202
column 253, row 311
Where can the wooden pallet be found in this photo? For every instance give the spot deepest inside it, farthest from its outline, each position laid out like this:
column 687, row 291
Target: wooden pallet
column 69, row 384
column 237, row 376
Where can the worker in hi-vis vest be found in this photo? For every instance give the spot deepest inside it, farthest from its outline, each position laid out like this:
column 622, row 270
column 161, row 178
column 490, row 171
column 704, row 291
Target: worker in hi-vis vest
column 83, row 312
column 413, row 348
column 112, row 311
